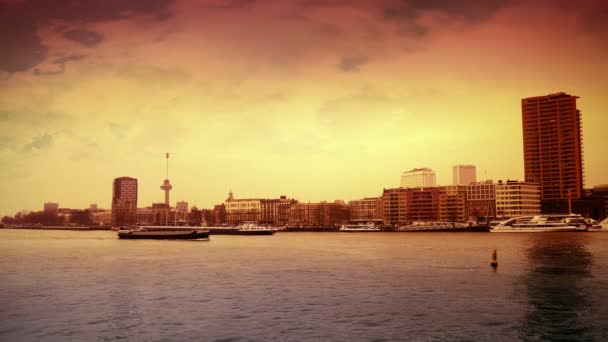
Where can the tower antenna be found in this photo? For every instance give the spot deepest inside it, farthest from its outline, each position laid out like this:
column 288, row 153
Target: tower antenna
column 167, row 157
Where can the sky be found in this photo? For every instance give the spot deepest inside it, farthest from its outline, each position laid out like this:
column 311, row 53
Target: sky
column 312, row 99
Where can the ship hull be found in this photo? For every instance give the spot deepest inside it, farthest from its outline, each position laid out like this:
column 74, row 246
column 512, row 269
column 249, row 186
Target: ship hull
column 537, row 230
column 159, row 235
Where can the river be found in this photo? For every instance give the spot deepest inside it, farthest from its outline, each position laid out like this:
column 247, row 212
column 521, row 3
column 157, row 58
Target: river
column 91, row 286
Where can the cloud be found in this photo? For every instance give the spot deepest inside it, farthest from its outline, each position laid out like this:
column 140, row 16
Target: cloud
column 359, row 110
column 20, row 23
column 60, row 62
column 84, row 37
column 22, row 48
column 39, row 143
column 352, row 63
column 233, row 3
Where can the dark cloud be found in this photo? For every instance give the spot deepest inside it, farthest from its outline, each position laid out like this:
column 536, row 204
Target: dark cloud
column 352, row 63
column 39, row 143
column 234, row 3
column 84, row 37
column 469, row 10
column 20, row 23
column 21, row 47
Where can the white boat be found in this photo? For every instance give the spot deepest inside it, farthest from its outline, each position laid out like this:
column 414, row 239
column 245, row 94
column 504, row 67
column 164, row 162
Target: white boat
column 250, row 228
column 601, row 226
column 360, row 227
column 424, row 226
column 542, row 223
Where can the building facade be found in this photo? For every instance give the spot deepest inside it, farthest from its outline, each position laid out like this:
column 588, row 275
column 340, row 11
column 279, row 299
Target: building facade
column 515, row 198
column 182, row 206
column 481, row 200
column 423, row 204
column 464, row 174
column 553, row 155
column 276, row 211
column 453, row 203
column 318, row 215
column 418, row 178
column 124, row 201
column 264, row 211
column 394, row 206
column 366, row 210
column 50, row 207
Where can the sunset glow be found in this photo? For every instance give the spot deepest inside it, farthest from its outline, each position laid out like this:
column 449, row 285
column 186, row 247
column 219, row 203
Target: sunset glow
column 313, row 99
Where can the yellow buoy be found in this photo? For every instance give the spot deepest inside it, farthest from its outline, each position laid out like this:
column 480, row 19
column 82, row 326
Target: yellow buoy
column 494, row 262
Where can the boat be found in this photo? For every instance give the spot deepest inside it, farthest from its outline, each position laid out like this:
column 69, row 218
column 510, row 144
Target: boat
column 163, row 233
column 359, row 228
column 432, row 226
column 250, row 228
column 542, row 223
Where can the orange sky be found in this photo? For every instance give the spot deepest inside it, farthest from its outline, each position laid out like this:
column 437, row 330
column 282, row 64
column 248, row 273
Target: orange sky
column 313, row 99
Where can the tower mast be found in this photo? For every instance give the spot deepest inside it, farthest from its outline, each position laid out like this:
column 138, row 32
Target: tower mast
column 167, row 187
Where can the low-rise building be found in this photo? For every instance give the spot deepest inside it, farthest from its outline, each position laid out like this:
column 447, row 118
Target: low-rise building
column 394, row 206
column 366, row 210
column 515, row 198
column 453, row 203
column 481, row 200
column 423, row 204
column 318, row 215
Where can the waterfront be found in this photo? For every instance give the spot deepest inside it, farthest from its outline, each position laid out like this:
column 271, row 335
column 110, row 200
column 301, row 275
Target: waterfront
column 65, row 285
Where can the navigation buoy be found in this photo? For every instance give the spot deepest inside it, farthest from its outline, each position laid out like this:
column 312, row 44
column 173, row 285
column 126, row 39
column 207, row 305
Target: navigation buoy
column 494, row 262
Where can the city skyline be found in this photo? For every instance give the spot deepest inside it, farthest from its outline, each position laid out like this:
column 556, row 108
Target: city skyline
column 316, row 100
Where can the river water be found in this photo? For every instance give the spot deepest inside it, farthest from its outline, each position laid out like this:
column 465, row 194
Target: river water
column 90, row 286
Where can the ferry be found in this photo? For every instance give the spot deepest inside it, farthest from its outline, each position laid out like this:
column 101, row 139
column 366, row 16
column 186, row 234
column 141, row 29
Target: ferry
column 360, row 227
column 424, row 226
column 163, row 233
column 542, row 223
column 250, row 228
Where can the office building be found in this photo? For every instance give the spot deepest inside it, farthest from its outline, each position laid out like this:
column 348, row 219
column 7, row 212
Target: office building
column 553, row 155
column 453, row 203
column 464, row 174
column 394, row 206
column 418, row 178
column 481, row 200
column 515, row 198
column 124, row 201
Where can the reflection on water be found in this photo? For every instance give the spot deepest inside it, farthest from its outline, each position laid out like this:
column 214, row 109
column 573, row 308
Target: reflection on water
column 558, row 265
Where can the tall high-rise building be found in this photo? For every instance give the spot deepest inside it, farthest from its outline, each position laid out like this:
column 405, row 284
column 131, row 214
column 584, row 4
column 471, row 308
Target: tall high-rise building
column 418, row 178
column 553, row 154
column 124, row 201
column 464, row 174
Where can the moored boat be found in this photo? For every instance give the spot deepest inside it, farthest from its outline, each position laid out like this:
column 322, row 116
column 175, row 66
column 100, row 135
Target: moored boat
column 430, row 226
column 360, row 228
column 250, row 228
column 541, row 223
